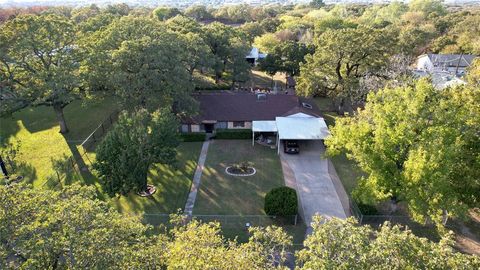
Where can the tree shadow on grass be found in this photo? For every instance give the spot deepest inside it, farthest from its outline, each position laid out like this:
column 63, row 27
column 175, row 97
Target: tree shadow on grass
column 26, row 170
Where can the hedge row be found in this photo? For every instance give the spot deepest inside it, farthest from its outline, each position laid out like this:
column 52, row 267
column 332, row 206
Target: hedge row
column 193, row 137
column 233, row 134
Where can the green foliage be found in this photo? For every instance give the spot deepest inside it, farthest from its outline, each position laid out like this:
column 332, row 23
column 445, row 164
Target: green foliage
column 193, row 137
column 341, row 58
column 424, row 151
column 137, row 141
column 266, row 42
column 165, row 13
column 343, row 244
column 229, row 49
column 281, row 201
column 198, row 12
column 428, row 7
column 233, row 134
column 118, row 54
column 44, row 229
column 31, row 48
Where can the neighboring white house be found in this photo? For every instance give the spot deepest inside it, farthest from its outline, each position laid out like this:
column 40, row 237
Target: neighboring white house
column 453, row 63
column 254, row 56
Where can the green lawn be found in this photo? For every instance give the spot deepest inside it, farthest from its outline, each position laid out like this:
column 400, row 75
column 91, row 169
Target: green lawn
column 261, row 79
column 222, row 194
column 41, row 145
column 173, row 185
column 37, row 131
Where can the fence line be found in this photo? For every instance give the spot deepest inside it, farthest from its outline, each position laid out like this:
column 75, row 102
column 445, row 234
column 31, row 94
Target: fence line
column 68, row 168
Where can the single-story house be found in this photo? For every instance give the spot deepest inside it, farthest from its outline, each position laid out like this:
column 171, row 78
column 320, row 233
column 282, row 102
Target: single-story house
column 289, row 117
column 454, row 63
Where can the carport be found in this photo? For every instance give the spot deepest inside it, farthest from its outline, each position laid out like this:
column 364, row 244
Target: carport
column 293, row 128
column 300, row 128
column 263, row 126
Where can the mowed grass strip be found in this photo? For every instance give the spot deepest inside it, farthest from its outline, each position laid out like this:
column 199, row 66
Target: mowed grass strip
column 223, row 194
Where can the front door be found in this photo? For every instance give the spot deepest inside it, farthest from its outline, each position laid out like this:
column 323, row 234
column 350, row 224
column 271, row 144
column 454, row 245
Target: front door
column 209, row 128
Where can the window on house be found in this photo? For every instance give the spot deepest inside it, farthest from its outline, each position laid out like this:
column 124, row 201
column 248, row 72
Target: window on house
column 238, row 124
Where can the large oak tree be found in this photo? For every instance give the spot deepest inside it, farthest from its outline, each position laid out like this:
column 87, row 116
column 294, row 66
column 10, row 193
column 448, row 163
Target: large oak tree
column 40, row 62
column 416, row 145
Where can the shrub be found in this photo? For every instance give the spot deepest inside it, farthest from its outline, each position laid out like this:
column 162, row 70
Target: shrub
column 233, row 134
column 193, row 137
column 244, row 167
column 281, row 201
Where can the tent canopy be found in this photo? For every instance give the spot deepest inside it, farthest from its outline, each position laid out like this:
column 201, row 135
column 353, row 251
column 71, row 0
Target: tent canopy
column 301, row 128
column 264, row 126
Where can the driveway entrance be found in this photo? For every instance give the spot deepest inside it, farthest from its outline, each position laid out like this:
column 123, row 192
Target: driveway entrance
column 307, row 172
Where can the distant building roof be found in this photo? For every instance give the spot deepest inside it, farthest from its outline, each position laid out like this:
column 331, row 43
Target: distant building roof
column 440, row 79
column 238, row 106
column 451, row 60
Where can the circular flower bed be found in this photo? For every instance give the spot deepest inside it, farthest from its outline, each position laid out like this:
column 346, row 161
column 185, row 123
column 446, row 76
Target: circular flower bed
column 151, row 189
column 242, row 169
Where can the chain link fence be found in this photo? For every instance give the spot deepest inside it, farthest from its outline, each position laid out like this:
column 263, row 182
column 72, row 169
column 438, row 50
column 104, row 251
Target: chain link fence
column 236, row 226
column 68, row 169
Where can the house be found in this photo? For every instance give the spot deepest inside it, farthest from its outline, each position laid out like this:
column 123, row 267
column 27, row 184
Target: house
column 254, row 56
column 453, row 63
column 288, row 117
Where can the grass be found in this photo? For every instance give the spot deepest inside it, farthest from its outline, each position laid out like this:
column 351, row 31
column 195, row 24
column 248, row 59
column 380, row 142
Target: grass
column 261, row 79
column 37, row 131
column 173, row 185
column 41, row 145
column 323, row 103
column 222, row 194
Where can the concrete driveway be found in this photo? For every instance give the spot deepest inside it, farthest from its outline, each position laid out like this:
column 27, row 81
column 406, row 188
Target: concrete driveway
column 307, row 172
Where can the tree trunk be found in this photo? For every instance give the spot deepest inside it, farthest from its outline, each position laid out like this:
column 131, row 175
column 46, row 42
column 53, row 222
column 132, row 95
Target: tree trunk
column 61, row 119
column 341, row 105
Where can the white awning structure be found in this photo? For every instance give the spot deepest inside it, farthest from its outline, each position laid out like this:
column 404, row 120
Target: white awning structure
column 264, row 126
column 301, row 128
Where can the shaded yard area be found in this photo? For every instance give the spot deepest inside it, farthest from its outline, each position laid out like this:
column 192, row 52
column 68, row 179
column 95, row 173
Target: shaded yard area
column 173, row 185
column 37, row 131
column 43, row 150
column 222, row 194
column 261, row 79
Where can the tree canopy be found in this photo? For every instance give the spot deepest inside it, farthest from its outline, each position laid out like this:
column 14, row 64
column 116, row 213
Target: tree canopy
column 424, row 151
column 71, row 229
column 136, row 141
column 342, row 244
column 40, row 62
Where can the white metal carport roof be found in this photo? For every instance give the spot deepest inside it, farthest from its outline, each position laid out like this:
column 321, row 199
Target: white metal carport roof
column 264, row 126
column 301, row 128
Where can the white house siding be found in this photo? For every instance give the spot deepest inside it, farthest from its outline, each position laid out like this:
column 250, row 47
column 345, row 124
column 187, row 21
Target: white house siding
column 247, row 125
column 424, row 63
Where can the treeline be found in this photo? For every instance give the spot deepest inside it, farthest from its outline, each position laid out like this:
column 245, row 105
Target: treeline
column 70, row 229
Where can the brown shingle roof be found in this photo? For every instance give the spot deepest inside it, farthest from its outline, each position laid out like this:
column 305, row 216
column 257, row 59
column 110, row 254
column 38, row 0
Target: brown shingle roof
column 228, row 106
